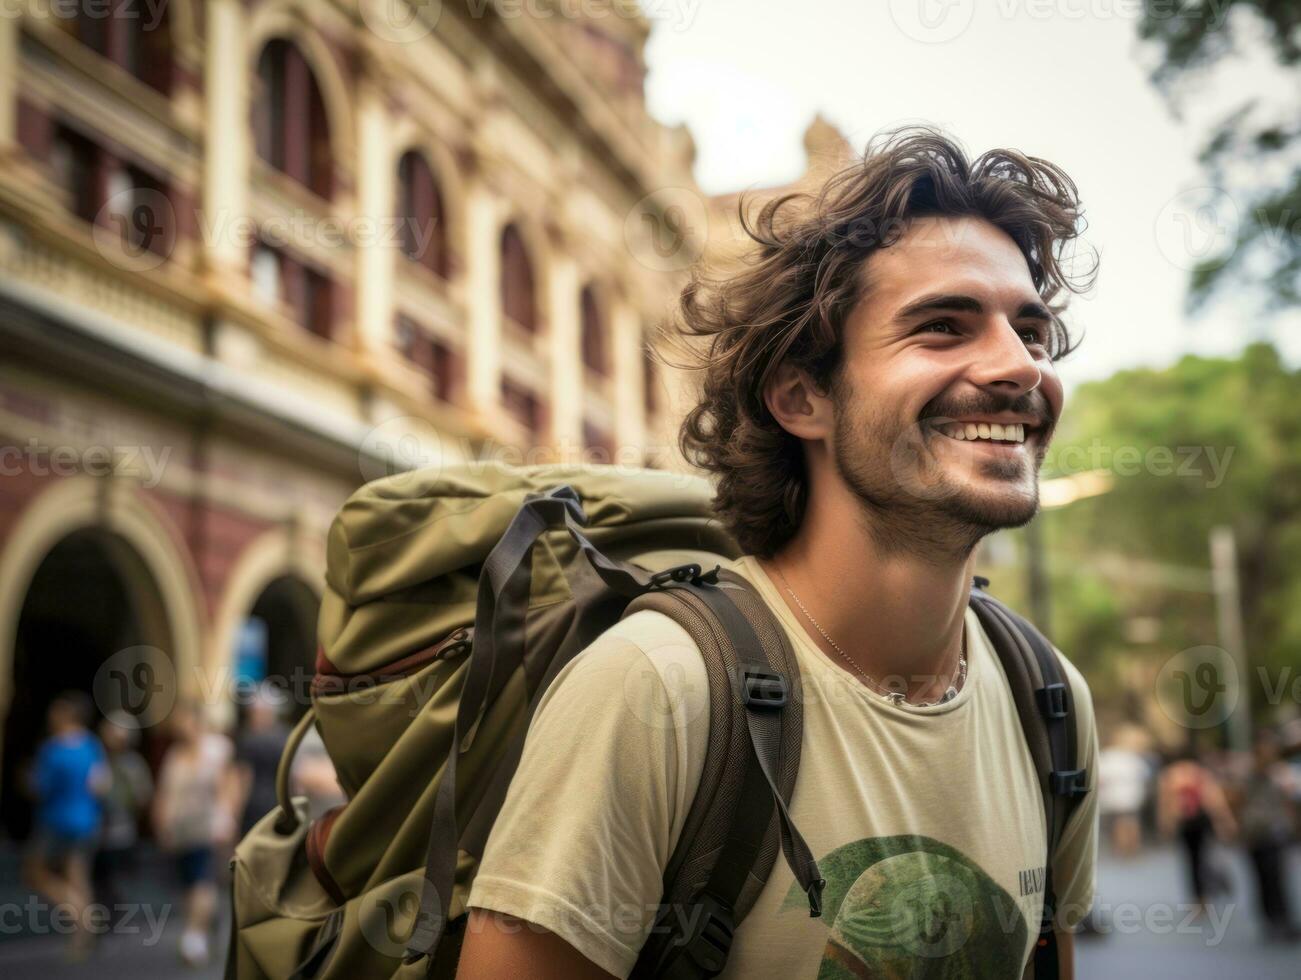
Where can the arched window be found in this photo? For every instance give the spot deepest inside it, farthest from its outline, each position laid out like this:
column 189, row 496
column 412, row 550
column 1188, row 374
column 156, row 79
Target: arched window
column 596, row 357
column 420, row 209
column 133, row 34
column 517, row 300
column 289, row 124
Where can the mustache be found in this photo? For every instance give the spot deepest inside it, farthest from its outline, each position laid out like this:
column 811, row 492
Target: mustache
column 1031, row 403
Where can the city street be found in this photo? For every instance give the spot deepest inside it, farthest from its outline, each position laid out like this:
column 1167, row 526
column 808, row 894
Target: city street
column 1149, row 937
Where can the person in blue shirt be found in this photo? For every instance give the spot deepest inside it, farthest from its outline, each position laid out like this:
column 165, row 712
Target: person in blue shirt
column 68, row 778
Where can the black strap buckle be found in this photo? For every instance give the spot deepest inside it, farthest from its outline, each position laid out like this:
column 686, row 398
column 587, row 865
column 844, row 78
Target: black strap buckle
column 1052, row 700
column 689, row 572
column 1069, row 782
column 708, row 938
column 762, row 688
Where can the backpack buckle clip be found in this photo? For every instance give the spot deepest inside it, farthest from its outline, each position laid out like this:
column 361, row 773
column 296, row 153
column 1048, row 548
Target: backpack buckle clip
column 690, row 572
column 678, row 573
column 1069, row 782
column 709, row 936
column 1052, row 700
column 761, row 688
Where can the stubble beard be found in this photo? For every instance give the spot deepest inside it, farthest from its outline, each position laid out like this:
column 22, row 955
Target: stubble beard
column 911, row 502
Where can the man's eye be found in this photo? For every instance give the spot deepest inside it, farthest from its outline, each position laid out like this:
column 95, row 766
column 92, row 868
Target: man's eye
column 1033, row 335
column 946, row 324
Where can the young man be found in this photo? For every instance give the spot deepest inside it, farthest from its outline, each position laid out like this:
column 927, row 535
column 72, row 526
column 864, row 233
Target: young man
column 878, row 393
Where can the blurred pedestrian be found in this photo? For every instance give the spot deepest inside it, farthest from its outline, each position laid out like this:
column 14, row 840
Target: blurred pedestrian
column 1123, row 779
column 1267, row 824
column 1191, row 806
column 68, row 778
column 194, row 814
column 258, row 748
column 313, row 775
column 126, row 800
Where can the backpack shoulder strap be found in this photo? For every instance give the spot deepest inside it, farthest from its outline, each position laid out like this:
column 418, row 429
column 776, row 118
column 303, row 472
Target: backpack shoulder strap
column 738, row 818
column 1045, row 705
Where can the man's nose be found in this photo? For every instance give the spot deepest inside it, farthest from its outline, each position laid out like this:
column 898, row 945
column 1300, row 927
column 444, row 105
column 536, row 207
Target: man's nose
column 1002, row 359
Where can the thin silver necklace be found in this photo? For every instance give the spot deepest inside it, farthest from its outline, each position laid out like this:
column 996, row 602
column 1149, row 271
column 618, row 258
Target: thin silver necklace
column 894, row 697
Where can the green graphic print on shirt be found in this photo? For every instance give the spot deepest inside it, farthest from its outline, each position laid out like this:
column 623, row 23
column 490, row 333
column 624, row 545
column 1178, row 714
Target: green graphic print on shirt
column 910, row 906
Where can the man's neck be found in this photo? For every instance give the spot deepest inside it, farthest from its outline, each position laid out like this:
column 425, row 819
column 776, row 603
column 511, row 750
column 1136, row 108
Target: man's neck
column 895, row 614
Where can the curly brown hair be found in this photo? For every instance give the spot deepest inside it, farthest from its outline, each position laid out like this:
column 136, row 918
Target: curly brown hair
column 791, row 297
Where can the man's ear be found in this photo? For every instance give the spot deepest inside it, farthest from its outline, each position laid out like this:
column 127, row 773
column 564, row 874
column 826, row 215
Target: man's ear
column 797, row 403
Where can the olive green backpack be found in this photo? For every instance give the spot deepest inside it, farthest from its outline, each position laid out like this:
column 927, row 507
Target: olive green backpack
column 454, row 596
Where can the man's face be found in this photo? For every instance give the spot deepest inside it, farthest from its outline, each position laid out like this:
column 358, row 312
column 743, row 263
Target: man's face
column 949, row 340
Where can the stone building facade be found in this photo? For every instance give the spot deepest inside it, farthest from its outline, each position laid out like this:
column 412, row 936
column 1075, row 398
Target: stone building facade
column 254, row 253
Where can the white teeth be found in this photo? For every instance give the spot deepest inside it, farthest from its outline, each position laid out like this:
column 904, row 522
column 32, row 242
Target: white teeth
column 963, row 431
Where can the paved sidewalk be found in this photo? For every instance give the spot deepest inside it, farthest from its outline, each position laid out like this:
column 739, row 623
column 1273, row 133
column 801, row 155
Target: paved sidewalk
column 1149, row 936
column 144, row 944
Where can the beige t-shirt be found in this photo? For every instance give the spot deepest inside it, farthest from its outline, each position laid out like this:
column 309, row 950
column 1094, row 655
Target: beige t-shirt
column 927, row 823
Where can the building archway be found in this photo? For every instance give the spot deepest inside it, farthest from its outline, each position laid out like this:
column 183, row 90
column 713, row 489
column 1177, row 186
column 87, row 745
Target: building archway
column 277, row 642
column 90, row 597
column 97, row 554
column 278, row 580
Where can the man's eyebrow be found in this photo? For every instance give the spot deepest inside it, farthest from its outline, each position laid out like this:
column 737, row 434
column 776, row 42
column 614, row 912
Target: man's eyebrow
column 958, row 303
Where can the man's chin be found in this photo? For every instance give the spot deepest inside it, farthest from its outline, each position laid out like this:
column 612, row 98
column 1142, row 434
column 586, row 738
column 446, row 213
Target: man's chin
column 991, row 510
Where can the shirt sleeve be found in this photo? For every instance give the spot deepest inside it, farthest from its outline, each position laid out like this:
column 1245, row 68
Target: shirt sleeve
column 1075, row 863
column 609, row 768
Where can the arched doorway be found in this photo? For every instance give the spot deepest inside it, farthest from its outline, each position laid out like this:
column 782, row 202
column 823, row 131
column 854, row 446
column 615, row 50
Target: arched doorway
column 276, row 642
column 90, row 597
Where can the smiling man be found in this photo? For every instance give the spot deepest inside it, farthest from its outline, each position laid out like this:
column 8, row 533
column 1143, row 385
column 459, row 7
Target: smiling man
column 877, row 394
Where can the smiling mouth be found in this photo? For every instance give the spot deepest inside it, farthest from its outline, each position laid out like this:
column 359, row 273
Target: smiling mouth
column 991, row 433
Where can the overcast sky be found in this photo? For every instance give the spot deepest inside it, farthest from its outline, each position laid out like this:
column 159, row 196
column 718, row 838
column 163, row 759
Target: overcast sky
column 1060, row 79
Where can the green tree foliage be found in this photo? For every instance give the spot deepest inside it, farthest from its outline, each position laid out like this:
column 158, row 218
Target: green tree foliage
column 1261, row 137
column 1205, row 442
